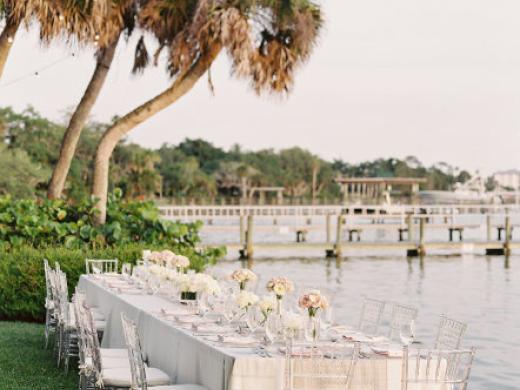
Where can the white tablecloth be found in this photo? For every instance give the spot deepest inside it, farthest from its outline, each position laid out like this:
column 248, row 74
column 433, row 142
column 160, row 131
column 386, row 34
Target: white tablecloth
column 189, row 359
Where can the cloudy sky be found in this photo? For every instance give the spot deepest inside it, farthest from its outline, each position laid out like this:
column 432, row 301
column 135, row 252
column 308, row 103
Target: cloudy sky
column 436, row 79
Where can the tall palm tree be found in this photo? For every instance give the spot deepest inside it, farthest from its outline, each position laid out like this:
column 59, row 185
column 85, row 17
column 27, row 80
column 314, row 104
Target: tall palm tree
column 98, row 22
column 119, row 16
column 265, row 39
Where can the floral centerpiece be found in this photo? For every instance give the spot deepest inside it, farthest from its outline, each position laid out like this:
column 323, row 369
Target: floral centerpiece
column 206, row 284
column 293, row 324
column 187, row 286
column 246, row 299
column 267, row 304
column 243, row 276
column 280, row 286
column 180, row 262
column 313, row 301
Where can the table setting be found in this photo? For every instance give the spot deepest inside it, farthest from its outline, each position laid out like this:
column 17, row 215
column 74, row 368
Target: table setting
column 221, row 334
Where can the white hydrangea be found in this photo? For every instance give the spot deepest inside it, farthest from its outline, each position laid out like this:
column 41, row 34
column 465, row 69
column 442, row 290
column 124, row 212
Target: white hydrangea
column 244, row 299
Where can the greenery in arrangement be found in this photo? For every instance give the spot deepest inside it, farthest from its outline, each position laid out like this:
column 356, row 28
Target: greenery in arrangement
column 193, row 168
column 25, row 364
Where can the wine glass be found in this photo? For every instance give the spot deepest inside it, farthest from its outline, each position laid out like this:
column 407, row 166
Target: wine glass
column 327, row 320
column 407, row 333
column 253, row 318
column 230, row 310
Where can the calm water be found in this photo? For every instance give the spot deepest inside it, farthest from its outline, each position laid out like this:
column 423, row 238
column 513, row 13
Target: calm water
column 482, row 291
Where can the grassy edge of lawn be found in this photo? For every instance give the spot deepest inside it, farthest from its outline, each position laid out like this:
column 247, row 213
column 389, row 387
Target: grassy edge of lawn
column 25, row 364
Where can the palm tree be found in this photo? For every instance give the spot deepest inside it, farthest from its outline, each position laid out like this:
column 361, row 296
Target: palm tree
column 266, row 40
column 120, row 16
column 98, row 22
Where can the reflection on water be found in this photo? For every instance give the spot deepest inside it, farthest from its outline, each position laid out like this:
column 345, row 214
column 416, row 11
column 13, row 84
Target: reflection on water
column 482, row 291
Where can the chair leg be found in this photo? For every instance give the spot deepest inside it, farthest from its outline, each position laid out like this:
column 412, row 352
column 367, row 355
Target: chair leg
column 60, row 345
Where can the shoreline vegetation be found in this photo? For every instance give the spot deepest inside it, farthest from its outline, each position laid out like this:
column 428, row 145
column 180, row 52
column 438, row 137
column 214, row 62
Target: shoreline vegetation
column 193, row 169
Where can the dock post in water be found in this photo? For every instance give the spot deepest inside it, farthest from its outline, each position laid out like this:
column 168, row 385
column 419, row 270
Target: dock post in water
column 409, row 222
column 421, row 237
column 249, row 237
column 339, row 227
column 242, row 230
column 507, row 244
column 328, row 228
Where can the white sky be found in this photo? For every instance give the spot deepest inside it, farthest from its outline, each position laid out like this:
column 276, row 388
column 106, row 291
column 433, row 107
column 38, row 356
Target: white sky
column 436, row 79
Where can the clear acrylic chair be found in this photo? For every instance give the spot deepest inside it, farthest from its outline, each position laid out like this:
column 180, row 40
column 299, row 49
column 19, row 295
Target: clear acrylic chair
column 449, row 333
column 401, row 315
column 50, row 321
column 143, row 377
column 371, row 316
column 436, row 369
column 328, row 366
column 67, row 330
column 101, row 266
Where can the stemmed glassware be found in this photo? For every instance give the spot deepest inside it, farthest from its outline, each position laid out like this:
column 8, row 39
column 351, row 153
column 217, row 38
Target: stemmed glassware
column 328, row 320
column 407, row 333
column 254, row 318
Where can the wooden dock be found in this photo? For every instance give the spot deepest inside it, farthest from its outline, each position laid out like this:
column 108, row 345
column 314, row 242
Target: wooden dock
column 345, row 227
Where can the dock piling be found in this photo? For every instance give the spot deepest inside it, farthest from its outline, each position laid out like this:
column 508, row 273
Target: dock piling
column 249, row 238
column 507, row 245
column 339, row 227
column 327, row 221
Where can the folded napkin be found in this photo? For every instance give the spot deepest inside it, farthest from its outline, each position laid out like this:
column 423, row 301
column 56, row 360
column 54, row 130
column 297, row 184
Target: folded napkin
column 189, row 319
column 211, row 328
column 234, row 340
column 129, row 291
column 174, row 312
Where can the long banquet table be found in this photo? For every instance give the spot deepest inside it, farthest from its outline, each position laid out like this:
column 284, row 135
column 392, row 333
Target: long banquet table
column 191, row 359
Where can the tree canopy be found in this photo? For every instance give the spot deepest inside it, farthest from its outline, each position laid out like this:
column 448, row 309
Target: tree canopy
column 193, row 168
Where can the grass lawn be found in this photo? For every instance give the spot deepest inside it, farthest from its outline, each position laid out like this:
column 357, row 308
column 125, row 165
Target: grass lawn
column 25, row 364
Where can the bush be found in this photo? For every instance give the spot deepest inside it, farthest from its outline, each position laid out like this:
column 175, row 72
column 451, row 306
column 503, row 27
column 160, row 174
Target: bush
column 43, row 223
column 64, row 232
column 22, row 279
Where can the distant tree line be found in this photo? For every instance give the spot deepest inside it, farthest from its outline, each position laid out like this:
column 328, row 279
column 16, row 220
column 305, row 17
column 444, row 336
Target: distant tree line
column 194, row 168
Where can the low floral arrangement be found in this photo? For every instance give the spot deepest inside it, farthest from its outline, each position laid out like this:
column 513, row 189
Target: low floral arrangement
column 246, row 299
column 243, row 276
column 293, row 324
column 266, row 305
column 280, row 286
column 313, row 301
column 167, row 258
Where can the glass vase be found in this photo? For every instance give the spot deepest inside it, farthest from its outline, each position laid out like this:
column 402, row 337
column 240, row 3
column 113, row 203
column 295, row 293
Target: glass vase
column 312, row 329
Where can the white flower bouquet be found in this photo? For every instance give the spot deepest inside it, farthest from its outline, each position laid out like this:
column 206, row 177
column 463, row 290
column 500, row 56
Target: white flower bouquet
column 243, row 276
column 280, row 286
column 246, row 299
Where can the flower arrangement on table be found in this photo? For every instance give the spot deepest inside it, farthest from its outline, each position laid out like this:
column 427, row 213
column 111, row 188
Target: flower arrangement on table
column 167, row 258
column 243, row 276
column 267, row 305
column 280, row 287
column 313, row 301
column 293, row 324
column 190, row 285
column 246, row 299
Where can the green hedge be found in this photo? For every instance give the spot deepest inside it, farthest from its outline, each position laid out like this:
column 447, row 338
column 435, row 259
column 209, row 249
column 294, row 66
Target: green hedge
column 43, row 223
column 22, row 279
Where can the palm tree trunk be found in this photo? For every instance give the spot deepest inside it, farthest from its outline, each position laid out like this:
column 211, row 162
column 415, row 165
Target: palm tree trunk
column 6, row 40
column 120, row 128
column 78, row 120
